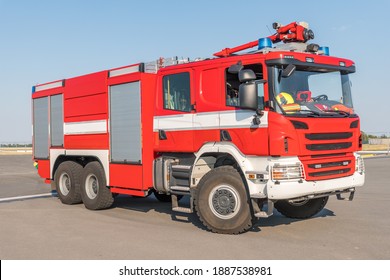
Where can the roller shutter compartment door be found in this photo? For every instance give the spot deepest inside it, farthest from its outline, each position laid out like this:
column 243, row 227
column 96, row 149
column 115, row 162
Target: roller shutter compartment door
column 41, row 127
column 125, row 123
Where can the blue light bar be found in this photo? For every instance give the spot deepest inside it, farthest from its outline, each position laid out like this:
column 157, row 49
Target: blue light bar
column 264, row 43
column 325, row 50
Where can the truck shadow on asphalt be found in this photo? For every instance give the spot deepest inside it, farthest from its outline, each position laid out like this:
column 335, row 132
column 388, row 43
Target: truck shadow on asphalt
column 147, row 204
column 278, row 219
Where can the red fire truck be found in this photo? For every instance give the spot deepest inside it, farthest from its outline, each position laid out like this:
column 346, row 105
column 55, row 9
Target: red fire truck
column 268, row 124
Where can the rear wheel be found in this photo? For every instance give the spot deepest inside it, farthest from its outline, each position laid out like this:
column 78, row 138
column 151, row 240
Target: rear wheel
column 94, row 191
column 222, row 203
column 67, row 179
column 303, row 209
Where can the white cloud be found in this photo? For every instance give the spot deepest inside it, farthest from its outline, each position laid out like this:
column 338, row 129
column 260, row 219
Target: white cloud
column 342, row 28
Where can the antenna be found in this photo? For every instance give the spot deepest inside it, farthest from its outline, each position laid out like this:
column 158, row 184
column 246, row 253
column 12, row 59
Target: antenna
column 269, row 30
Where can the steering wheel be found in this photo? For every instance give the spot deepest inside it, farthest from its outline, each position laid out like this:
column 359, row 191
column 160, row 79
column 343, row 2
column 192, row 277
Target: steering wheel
column 232, row 92
column 320, row 97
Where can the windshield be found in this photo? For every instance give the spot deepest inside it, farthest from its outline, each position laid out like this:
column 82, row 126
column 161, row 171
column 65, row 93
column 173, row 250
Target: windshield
column 313, row 93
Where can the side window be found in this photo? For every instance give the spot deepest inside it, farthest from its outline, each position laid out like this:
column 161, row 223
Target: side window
column 233, row 84
column 176, row 90
column 260, row 96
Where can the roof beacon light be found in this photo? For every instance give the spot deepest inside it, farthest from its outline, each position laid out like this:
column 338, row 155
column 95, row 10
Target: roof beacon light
column 325, row 50
column 264, row 43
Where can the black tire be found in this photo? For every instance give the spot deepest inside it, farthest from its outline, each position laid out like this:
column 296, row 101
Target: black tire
column 222, row 203
column 303, row 209
column 67, row 180
column 162, row 197
column 94, row 191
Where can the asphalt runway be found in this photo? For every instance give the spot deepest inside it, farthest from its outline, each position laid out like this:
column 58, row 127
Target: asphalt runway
column 143, row 228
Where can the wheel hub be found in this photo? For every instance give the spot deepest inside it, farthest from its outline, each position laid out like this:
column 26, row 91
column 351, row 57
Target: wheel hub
column 64, row 184
column 224, row 201
column 91, row 186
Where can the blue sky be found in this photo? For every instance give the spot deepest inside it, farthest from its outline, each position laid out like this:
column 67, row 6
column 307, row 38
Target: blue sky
column 42, row 41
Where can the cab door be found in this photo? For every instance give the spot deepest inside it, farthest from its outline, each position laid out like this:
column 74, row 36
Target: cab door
column 173, row 122
column 208, row 104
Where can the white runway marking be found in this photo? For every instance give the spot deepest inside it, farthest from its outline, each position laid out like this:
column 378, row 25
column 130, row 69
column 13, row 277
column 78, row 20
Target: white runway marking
column 25, row 197
column 17, row 174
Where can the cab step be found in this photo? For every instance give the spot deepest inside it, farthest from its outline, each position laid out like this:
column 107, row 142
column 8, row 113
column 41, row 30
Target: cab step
column 259, row 212
column 182, row 210
column 177, row 208
column 180, row 188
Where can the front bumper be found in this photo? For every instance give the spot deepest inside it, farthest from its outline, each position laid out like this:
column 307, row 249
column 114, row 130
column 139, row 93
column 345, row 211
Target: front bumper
column 300, row 188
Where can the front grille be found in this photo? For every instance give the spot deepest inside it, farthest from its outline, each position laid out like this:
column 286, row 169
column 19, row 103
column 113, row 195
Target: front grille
column 330, row 164
column 330, row 146
column 330, row 172
column 328, row 136
column 329, row 155
column 328, row 168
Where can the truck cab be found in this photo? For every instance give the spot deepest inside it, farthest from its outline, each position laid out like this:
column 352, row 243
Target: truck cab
column 280, row 118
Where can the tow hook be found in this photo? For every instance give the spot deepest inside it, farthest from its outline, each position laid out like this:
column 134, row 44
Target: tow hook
column 351, row 194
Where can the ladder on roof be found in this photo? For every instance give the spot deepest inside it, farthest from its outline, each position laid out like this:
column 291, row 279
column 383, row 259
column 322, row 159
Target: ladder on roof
column 155, row 65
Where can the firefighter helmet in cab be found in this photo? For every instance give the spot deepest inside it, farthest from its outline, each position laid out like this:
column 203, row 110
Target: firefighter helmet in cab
column 284, row 98
column 287, row 102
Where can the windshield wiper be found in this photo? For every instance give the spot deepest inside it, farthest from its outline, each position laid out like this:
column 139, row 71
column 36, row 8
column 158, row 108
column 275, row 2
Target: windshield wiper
column 343, row 113
column 311, row 113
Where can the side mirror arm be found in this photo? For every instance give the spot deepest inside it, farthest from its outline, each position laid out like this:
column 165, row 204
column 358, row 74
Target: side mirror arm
column 270, row 104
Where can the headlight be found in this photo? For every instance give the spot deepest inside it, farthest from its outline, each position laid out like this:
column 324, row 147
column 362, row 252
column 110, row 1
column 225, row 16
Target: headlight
column 359, row 165
column 287, row 172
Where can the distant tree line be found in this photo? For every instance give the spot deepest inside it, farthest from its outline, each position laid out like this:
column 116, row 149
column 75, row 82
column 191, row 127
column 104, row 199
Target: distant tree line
column 15, row 145
column 366, row 136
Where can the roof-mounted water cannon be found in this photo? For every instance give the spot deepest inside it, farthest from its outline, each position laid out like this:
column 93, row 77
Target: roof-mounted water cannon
column 293, row 32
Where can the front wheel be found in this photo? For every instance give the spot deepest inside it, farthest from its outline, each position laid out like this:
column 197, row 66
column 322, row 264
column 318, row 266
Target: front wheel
column 222, row 203
column 303, row 209
column 94, row 191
